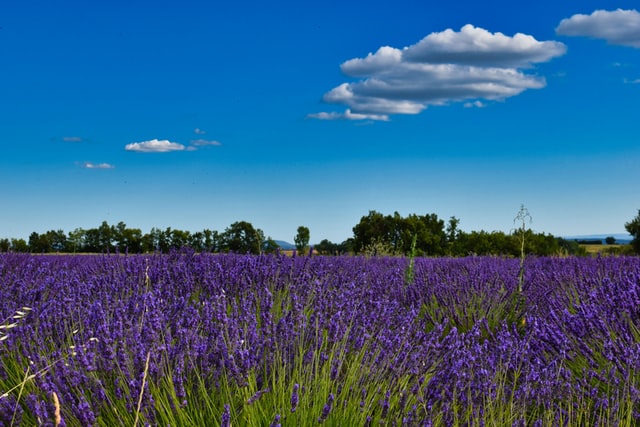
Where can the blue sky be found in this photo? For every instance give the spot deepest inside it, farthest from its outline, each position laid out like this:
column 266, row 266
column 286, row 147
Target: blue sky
column 197, row 114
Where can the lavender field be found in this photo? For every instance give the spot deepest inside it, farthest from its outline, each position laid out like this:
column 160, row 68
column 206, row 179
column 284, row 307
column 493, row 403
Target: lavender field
column 197, row 339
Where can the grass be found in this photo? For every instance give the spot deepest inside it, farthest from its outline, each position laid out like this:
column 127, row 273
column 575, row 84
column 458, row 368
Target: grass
column 606, row 249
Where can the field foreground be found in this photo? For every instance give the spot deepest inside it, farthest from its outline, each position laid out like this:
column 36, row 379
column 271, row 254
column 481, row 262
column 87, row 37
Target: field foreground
column 187, row 340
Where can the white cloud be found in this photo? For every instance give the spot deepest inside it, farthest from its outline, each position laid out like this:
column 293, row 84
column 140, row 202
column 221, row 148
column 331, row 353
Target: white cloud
column 326, row 116
column 72, row 139
column 384, row 59
column 466, row 66
column 154, row 146
column 618, row 27
column 478, row 47
column 204, row 143
column 348, row 115
column 89, row 165
column 476, row 104
column 199, row 131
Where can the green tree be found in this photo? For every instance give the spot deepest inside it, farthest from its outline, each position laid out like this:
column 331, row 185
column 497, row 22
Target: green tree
column 371, row 229
column 118, row 234
column 211, row 240
column 453, row 233
column 377, row 234
column 196, row 241
column 19, row 245
column 270, row 246
column 346, row 247
column 476, row 243
column 75, row 241
column 610, row 240
column 301, row 239
column 105, row 237
column 92, row 240
column 58, row 239
column 543, row 244
column 430, row 235
column 452, row 229
column 130, row 240
column 164, row 239
column 633, row 227
column 570, row 247
column 241, row 237
column 326, row 247
column 40, row 243
column 148, row 242
column 179, row 238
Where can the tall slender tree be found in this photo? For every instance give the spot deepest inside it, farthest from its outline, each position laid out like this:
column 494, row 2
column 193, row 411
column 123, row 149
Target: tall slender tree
column 301, row 239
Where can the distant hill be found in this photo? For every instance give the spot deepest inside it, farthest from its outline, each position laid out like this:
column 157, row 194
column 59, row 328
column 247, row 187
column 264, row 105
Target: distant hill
column 285, row 245
column 621, row 239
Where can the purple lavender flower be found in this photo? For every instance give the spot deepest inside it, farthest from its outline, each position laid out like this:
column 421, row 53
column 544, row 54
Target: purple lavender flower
column 10, row 407
column 294, row 398
column 226, row 416
column 257, row 396
column 35, row 404
column 385, row 404
column 327, row 408
column 276, row 421
column 363, row 396
column 85, row 413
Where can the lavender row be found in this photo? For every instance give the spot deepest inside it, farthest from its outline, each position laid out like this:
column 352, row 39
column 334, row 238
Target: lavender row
column 346, row 337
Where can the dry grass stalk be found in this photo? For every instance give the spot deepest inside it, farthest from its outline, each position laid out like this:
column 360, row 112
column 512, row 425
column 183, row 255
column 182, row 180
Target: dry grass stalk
column 27, row 377
column 56, row 403
column 144, row 380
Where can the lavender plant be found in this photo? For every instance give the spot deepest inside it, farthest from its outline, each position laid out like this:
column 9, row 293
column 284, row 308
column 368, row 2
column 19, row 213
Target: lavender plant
column 187, row 339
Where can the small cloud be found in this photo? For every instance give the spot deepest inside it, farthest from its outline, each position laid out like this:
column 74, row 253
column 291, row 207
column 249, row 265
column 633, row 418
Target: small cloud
column 90, row 165
column 199, row 131
column 633, row 82
column 154, row 146
column 72, row 139
column 326, row 116
column 476, row 104
column 618, row 27
column 205, row 143
column 348, row 115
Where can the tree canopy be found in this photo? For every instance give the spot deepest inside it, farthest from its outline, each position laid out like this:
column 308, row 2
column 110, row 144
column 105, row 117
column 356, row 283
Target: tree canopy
column 301, row 239
column 375, row 234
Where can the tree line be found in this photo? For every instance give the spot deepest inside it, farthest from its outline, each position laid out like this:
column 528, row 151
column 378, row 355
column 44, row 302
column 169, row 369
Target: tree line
column 375, row 234
column 428, row 235
column 240, row 237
